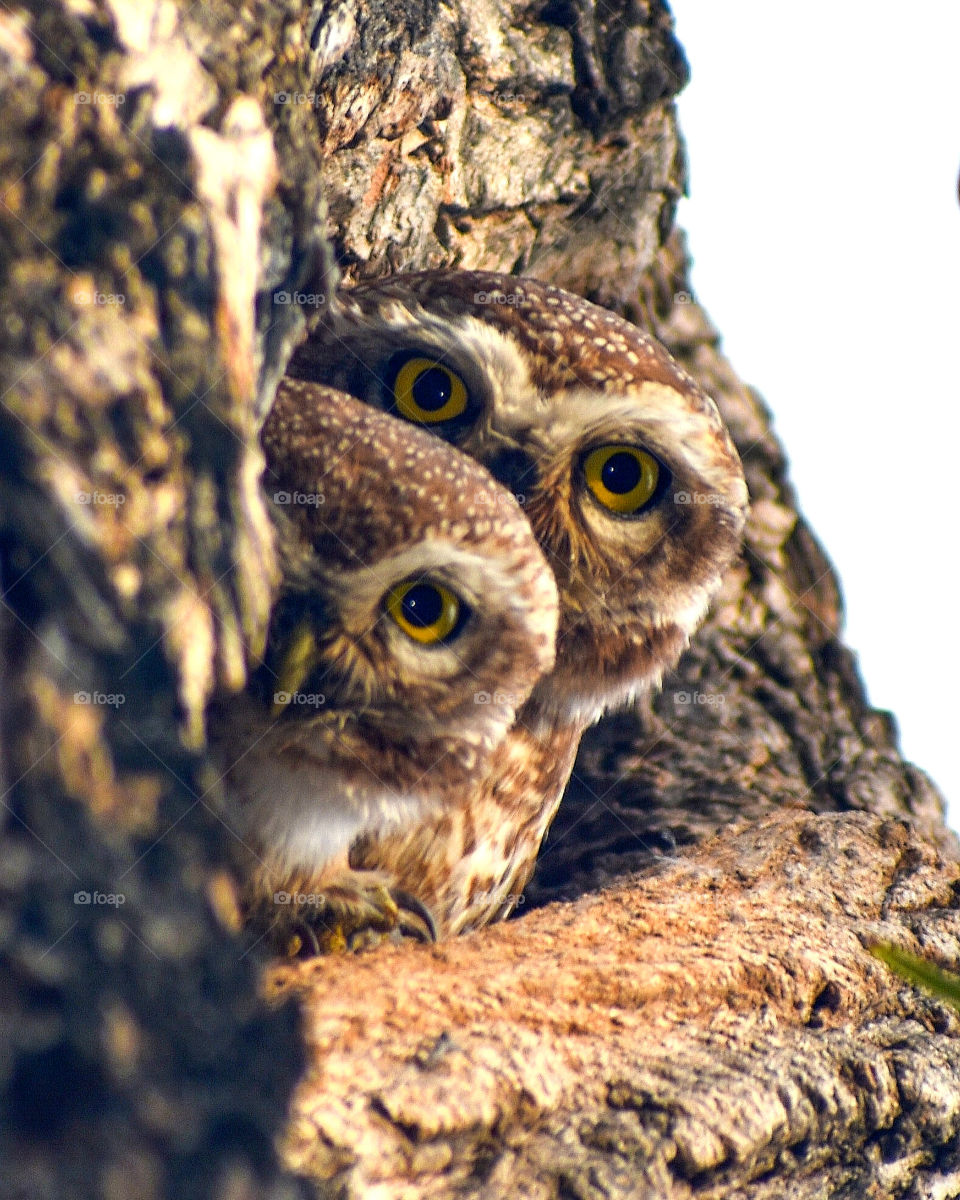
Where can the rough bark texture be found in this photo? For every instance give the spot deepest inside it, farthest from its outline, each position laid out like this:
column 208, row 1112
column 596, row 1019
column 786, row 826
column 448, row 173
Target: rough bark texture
column 713, row 1028
column 135, row 558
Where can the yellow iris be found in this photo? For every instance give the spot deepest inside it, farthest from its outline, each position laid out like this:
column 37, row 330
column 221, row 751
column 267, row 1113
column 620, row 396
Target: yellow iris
column 429, row 613
column 622, row 478
column 428, row 393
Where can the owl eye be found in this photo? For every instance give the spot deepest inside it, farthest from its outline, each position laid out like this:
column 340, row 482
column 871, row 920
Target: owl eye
column 427, row 392
column 429, row 613
column 623, row 478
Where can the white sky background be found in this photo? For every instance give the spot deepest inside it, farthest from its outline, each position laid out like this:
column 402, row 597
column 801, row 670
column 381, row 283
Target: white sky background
column 824, row 146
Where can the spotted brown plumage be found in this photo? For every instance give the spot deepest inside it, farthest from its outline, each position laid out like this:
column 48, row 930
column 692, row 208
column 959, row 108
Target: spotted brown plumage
column 416, row 614
column 574, row 410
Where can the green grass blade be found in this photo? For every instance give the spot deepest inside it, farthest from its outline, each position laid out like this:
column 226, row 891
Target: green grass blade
column 945, row 985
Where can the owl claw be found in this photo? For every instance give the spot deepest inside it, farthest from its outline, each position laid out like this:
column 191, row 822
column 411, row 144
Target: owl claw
column 412, row 920
column 351, row 914
column 416, row 920
column 302, row 937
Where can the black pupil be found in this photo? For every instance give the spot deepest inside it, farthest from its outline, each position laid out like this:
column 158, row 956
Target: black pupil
column 423, row 605
column 621, row 473
column 432, row 389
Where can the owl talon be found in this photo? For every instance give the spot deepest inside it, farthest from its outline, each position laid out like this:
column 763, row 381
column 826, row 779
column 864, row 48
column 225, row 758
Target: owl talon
column 302, row 933
column 416, row 920
column 353, row 913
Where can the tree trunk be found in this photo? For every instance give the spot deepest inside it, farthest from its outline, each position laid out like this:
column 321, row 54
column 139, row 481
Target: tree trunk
column 180, row 184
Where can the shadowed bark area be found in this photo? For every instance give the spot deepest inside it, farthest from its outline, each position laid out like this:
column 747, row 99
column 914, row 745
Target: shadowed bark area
column 712, row 1028
column 136, row 565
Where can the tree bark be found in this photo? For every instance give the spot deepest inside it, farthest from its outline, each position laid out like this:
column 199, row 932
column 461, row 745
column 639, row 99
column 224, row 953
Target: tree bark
column 136, row 562
column 711, row 1027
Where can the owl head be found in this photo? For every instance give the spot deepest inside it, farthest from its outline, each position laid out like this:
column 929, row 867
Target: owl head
column 416, row 601
column 622, row 464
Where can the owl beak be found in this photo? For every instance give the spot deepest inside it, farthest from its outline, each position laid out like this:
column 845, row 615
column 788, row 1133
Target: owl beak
column 296, row 657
